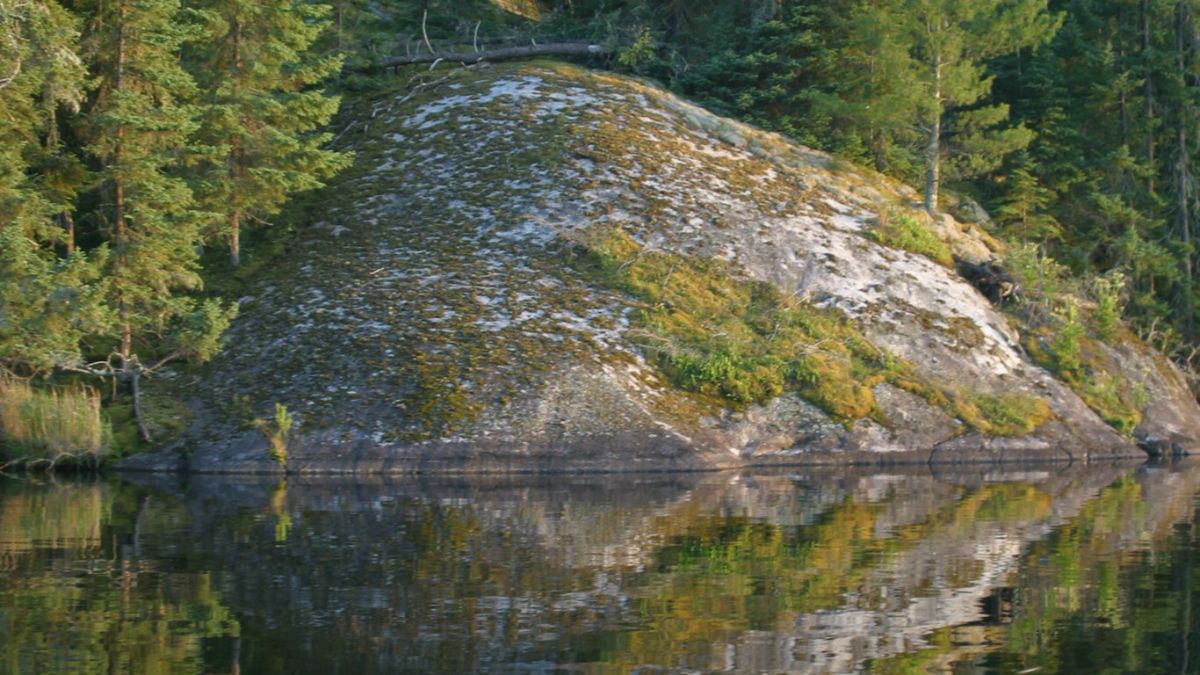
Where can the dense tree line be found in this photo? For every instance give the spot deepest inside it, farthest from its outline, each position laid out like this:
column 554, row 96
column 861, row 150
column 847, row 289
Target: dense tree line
column 133, row 133
column 136, row 132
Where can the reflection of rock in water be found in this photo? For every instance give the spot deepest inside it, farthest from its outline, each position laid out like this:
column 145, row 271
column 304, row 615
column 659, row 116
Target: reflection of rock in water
column 473, row 574
column 940, row 582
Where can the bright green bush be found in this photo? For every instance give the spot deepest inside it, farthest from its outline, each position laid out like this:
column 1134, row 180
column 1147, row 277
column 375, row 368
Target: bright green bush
column 906, row 232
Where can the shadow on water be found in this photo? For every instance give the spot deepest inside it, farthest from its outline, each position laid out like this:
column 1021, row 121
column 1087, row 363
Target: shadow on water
column 962, row 569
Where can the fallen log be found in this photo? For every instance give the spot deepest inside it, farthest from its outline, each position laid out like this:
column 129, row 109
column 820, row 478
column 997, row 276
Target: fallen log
column 501, row 54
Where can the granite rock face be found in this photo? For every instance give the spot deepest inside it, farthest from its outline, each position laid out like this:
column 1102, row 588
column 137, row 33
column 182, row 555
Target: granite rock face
column 433, row 315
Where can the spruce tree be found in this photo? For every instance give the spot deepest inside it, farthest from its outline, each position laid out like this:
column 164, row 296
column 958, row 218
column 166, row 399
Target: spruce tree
column 870, row 91
column 139, row 130
column 1023, row 211
column 47, row 304
column 263, row 108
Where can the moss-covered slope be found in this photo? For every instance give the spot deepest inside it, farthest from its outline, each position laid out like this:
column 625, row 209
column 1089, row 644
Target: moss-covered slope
column 535, row 266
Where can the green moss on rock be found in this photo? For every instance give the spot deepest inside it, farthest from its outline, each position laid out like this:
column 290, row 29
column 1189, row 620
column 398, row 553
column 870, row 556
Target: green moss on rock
column 906, row 231
column 722, row 336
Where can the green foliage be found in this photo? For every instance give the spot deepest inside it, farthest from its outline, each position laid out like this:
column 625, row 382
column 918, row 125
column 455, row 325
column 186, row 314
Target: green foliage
column 199, row 334
column 1066, row 347
column 1023, row 209
column 905, row 231
column 1044, row 282
column 47, row 305
column 931, row 71
column 99, row 224
column 639, row 54
column 1061, row 337
column 276, row 431
column 262, row 112
column 1107, row 314
column 136, row 128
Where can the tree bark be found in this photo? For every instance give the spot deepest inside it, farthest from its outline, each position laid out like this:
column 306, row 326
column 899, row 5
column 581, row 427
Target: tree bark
column 1148, row 92
column 933, row 167
column 1184, row 202
column 550, row 49
column 119, row 184
column 235, row 239
column 235, row 158
column 135, row 381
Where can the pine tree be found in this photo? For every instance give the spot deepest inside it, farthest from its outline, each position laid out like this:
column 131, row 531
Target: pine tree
column 139, row 130
column 947, row 43
column 46, row 304
column 263, row 109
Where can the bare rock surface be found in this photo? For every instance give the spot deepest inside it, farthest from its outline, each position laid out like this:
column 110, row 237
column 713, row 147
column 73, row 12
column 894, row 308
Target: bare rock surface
column 431, row 317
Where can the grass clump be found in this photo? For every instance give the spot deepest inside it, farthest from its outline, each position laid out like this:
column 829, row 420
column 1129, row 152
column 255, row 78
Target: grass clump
column 1115, row 402
column 52, row 423
column 907, row 232
column 1002, row 415
column 740, row 340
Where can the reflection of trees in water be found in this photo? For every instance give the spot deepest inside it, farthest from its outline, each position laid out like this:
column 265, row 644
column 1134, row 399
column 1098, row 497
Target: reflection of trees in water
column 803, row 573
column 77, row 595
column 1115, row 588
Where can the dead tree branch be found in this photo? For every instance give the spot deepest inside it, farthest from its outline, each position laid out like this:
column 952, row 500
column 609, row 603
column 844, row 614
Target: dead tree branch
column 501, row 54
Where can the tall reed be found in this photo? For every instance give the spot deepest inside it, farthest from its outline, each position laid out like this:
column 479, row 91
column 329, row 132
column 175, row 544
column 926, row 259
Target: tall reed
column 46, row 423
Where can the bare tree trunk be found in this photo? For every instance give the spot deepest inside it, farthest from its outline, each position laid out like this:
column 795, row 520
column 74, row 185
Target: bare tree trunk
column 340, row 8
column 1148, row 92
column 235, row 239
column 1121, row 103
column 119, row 184
column 933, row 176
column 135, row 381
column 1184, row 201
column 501, row 54
column 235, row 157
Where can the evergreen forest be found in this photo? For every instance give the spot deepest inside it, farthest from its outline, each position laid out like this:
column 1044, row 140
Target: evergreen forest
column 149, row 149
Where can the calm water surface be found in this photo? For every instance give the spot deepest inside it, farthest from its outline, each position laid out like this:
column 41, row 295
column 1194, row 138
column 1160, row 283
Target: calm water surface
column 1047, row 570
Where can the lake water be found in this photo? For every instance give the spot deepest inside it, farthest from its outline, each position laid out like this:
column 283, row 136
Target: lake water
column 1045, row 570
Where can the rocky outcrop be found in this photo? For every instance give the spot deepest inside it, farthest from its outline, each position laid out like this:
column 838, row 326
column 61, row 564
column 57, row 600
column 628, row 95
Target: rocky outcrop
column 446, row 310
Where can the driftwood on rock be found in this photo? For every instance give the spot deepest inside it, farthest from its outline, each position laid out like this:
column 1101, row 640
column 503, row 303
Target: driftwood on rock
column 500, row 54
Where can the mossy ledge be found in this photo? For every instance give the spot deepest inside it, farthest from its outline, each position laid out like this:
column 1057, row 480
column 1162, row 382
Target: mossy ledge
column 539, row 267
